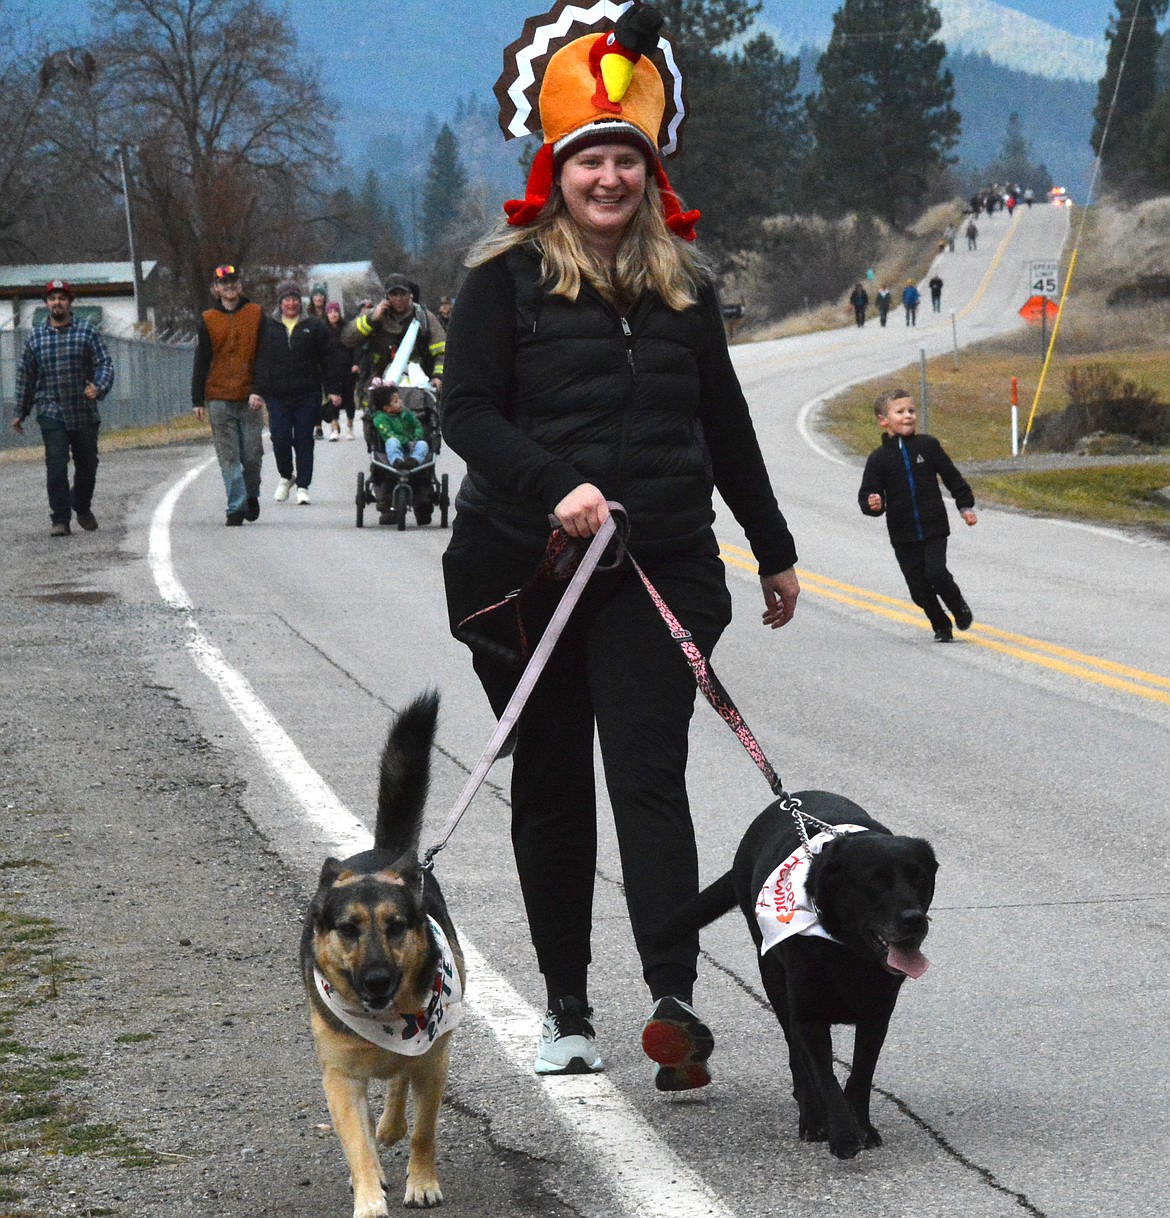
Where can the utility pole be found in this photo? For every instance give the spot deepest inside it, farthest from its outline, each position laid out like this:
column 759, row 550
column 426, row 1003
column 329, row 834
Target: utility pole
column 139, row 293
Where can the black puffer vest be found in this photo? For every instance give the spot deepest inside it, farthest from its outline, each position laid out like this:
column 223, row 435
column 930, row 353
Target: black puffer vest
column 617, row 397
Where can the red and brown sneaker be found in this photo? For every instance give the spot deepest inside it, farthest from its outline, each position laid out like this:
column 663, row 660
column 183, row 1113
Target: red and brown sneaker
column 679, row 1043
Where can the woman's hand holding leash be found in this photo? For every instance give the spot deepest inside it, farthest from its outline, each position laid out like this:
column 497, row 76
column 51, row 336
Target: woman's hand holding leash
column 780, row 593
column 582, row 511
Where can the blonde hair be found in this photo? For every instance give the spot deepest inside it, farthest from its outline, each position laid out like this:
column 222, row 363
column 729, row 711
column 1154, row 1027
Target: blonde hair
column 881, row 406
column 650, row 257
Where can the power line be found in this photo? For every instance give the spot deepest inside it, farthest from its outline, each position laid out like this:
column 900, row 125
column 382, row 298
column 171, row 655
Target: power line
column 1081, row 224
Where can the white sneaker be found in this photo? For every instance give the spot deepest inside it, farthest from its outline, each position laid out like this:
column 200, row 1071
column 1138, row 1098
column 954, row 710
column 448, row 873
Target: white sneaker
column 282, row 489
column 568, row 1044
column 334, row 436
column 349, row 434
column 302, row 495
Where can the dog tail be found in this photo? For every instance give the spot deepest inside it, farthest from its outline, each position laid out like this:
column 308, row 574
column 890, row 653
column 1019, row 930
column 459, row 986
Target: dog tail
column 711, row 904
column 405, row 776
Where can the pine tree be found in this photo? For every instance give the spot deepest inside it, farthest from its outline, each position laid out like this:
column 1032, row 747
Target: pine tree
column 1123, row 150
column 883, row 120
column 1014, row 165
column 444, row 192
column 745, row 137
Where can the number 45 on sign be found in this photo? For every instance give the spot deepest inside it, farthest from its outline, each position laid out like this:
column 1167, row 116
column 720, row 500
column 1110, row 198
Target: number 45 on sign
column 1043, row 278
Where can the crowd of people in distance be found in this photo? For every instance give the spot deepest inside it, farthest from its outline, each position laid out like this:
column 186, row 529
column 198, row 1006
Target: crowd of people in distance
column 306, row 366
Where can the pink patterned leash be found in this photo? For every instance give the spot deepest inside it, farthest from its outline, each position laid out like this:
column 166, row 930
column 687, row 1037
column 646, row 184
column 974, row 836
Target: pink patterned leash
column 709, row 684
column 705, row 678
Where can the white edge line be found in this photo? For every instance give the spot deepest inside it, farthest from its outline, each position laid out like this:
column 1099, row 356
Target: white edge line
column 643, row 1173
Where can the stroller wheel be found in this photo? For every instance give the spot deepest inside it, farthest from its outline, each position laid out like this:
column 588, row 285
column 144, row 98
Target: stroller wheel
column 401, row 503
column 360, row 499
column 444, row 502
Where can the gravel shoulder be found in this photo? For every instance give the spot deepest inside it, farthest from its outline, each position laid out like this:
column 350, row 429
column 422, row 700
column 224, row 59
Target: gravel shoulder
column 149, row 993
column 180, row 1007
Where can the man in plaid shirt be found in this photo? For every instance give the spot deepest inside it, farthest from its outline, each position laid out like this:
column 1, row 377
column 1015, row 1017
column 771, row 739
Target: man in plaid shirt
column 65, row 370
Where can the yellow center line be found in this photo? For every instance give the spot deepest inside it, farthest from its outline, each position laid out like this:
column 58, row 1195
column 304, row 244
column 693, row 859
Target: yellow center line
column 1094, row 669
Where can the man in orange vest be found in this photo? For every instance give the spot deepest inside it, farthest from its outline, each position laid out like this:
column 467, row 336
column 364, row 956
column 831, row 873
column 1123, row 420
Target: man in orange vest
column 222, row 380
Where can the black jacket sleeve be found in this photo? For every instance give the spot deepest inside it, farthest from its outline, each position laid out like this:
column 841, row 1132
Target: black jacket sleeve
column 202, row 364
column 952, row 479
column 741, row 476
column 873, row 482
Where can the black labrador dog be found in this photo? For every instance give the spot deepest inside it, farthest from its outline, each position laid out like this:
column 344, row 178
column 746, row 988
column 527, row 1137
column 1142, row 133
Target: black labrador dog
column 839, row 925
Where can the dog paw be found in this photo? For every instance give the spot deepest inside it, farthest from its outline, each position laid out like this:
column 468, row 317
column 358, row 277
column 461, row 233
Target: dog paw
column 872, row 1137
column 372, row 1209
column 422, row 1195
column 845, row 1147
column 812, row 1131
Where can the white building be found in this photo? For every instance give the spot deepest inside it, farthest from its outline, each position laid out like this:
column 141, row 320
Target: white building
column 103, row 292
column 345, row 282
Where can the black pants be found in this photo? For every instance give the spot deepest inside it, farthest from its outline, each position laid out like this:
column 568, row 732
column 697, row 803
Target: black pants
column 615, row 668
column 924, row 566
column 59, row 442
column 290, row 424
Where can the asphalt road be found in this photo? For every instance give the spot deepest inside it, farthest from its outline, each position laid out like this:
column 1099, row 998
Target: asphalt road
column 1022, row 1073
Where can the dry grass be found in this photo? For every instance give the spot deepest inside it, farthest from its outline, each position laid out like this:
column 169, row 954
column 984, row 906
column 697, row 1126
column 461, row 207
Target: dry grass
column 969, row 408
column 185, row 429
column 906, row 255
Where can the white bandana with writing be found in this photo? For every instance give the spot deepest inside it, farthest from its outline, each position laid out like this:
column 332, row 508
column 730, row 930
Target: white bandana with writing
column 783, row 908
column 411, row 1033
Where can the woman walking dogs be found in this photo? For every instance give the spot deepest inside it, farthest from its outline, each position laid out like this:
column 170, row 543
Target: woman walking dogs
column 586, row 362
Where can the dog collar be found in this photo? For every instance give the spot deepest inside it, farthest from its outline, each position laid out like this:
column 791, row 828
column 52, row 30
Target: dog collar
column 784, row 908
column 410, row 1033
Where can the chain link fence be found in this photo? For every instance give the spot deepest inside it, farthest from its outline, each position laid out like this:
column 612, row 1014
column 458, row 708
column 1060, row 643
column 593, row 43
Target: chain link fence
column 152, row 384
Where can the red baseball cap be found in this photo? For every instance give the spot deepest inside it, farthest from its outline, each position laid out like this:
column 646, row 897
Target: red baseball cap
column 57, row 285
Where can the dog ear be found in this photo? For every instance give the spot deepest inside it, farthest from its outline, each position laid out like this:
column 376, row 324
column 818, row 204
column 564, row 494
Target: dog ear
column 332, row 870
column 412, row 874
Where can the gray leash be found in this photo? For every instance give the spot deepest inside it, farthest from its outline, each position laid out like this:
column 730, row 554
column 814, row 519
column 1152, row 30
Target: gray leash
column 528, row 678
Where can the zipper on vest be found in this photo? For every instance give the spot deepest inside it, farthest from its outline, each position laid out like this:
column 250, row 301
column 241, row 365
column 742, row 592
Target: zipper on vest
column 629, row 334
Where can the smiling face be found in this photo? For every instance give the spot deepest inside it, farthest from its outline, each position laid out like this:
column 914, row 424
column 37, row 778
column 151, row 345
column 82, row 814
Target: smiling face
column 60, row 306
column 290, row 306
column 900, row 418
column 227, row 291
column 603, row 186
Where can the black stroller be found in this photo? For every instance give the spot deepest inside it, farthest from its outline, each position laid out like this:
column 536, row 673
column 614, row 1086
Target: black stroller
column 397, row 491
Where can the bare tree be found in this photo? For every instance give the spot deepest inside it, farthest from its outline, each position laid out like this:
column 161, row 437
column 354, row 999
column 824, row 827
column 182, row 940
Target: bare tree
column 231, row 129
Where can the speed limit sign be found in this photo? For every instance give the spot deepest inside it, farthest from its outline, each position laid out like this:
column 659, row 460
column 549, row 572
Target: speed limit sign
column 1043, row 280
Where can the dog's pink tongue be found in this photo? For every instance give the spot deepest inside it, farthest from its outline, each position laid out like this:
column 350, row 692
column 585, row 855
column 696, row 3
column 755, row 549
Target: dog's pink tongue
column 908, row 960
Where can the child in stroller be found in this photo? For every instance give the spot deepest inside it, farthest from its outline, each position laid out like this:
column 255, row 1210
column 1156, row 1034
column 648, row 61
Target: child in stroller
column 403, row 435
column 401, row 425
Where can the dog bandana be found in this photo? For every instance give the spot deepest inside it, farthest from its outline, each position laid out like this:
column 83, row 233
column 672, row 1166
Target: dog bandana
column 406, row 1032
column 783, row 908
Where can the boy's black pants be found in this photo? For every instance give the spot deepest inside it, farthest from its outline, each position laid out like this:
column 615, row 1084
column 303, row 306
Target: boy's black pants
column 924, row 566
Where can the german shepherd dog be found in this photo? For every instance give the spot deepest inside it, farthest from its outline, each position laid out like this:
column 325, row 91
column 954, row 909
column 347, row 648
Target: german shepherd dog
column 836, row 952
column 384, row 975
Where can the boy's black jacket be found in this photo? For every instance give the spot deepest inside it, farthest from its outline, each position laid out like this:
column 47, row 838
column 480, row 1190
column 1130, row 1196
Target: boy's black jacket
column 914, row 505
